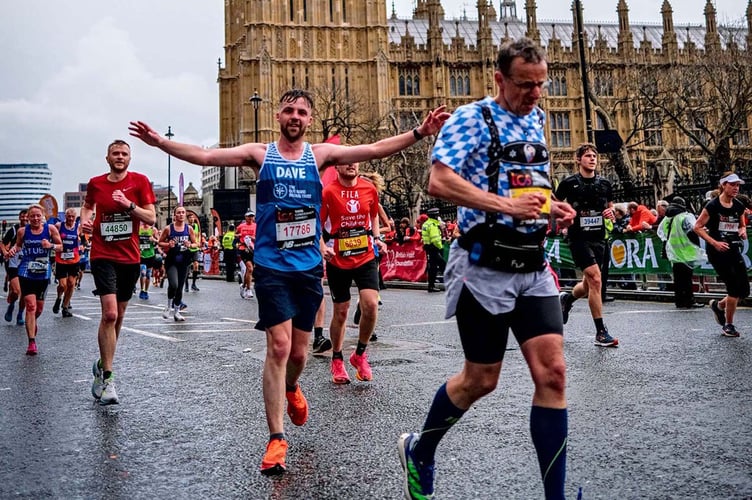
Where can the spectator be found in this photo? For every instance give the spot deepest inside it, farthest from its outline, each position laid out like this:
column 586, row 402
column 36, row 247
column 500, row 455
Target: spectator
column 681, row 248
column 405, row 232
column 640, row 218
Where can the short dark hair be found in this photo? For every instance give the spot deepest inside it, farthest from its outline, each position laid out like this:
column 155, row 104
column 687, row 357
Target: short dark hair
column 584, row 148
column 295, row 94
column 117, row 142
column 524, row 48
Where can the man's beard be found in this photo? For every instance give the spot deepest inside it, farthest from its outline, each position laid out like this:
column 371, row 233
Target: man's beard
column 293, row 137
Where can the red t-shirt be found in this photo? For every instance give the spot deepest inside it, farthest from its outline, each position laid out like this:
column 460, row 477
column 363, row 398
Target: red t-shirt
column 115, row 235
column 244, row 229
column 350, row 211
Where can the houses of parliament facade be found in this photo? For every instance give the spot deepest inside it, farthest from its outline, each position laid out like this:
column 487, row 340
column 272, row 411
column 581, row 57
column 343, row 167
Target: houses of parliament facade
column 373, row 65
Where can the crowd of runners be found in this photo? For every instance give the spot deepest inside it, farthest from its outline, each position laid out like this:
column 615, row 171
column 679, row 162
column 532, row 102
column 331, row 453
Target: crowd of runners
column 489, row 159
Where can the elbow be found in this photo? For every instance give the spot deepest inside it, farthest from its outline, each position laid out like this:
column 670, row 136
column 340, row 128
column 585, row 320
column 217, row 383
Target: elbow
column 435, row 187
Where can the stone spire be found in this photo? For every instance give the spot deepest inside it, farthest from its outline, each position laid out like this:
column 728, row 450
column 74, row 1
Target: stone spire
column 668, row 42
column 625, row 40
column 712, row 38
column 532, row 21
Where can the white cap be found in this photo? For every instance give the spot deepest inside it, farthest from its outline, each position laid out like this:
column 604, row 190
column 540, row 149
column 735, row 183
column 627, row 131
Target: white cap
column 731, row 178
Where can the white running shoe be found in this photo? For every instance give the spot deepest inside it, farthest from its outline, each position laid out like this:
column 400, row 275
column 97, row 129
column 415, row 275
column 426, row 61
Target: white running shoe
column 242, row 291
column 178, row 317
column 109, row 395
column 166, row 313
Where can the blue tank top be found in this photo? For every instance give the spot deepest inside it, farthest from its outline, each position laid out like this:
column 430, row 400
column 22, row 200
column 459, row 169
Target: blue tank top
column 288, row 201
column 35, row 263
column 70, row 243
column 178, row 253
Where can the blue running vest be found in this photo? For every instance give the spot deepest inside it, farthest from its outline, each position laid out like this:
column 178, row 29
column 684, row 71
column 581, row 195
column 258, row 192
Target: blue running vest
column 35, row 263
column 288, row 202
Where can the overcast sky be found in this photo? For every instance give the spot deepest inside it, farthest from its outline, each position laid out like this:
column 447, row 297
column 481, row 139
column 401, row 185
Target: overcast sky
column 74, row 73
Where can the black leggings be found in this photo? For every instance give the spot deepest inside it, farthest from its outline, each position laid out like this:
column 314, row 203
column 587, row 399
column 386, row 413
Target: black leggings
column 177, row 272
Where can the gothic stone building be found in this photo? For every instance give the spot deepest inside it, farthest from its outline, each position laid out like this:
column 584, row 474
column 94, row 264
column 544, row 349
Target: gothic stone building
column 401, row 68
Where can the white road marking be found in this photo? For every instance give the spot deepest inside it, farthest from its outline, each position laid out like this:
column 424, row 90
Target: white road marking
column 150, row 334
column 241, row 320
column 427, row 323
column 214, row 330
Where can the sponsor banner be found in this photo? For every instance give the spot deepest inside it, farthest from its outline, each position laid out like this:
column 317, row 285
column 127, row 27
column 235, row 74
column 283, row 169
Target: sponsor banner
column 404, row 261
column 639, row 254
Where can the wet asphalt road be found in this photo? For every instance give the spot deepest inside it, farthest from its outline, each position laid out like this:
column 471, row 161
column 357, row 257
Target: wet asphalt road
column 666, row 415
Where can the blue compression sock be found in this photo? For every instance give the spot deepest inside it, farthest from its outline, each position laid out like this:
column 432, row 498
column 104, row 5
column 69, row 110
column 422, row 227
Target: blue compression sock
column 441, row 417
column 548, row 428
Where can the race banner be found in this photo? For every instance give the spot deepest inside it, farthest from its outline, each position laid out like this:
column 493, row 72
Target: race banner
column 634, row 254
column 404, row 261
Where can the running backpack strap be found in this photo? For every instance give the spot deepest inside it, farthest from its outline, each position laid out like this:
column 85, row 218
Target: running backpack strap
column 495, row 150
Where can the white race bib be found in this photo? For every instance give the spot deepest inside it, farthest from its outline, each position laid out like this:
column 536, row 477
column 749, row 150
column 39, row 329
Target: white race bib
column 116, row 227
column 591, row 221
column 296, row 227
column 728, row 227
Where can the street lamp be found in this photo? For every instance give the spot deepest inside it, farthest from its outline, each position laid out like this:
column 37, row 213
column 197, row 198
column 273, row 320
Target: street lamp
column 255, row 100
column 169, row 136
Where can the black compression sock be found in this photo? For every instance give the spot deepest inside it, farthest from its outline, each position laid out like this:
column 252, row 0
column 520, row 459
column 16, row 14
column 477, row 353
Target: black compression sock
column 361, row 348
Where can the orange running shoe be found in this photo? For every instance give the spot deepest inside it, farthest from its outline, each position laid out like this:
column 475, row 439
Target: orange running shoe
column 297, row 406
column 273, row 462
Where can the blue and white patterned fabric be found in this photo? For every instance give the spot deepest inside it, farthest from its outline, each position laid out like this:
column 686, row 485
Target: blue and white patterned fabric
column 462, row 145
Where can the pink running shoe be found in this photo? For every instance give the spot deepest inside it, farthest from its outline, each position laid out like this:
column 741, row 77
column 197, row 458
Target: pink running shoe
column 360, row 363
column 32, row 349
column 339, row 374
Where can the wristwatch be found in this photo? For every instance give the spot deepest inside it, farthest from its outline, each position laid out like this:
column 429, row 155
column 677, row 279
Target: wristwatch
column 131, row 207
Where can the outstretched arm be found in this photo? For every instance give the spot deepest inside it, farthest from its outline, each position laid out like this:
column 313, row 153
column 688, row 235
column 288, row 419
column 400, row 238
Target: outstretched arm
column 332, row 154
column 251, row 154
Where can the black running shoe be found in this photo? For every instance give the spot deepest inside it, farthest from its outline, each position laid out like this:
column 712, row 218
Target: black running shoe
column 321, row 344
column 56, row 307
column 720, row 314
column 729, row 331
column 566, row 300
column 603, row 339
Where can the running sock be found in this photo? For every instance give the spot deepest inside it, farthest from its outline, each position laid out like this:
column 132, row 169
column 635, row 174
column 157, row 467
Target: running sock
column 548, row 428
column 318, row 331
column 361, row 348
column 337, row 355
column 441, row 417
column 276, row 435
column 193, row 278
column 290, row 388
column 106, row 374
column 599, row 326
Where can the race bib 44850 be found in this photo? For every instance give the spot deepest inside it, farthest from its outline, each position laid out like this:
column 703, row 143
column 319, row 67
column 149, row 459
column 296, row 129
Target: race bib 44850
column 116, row 227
